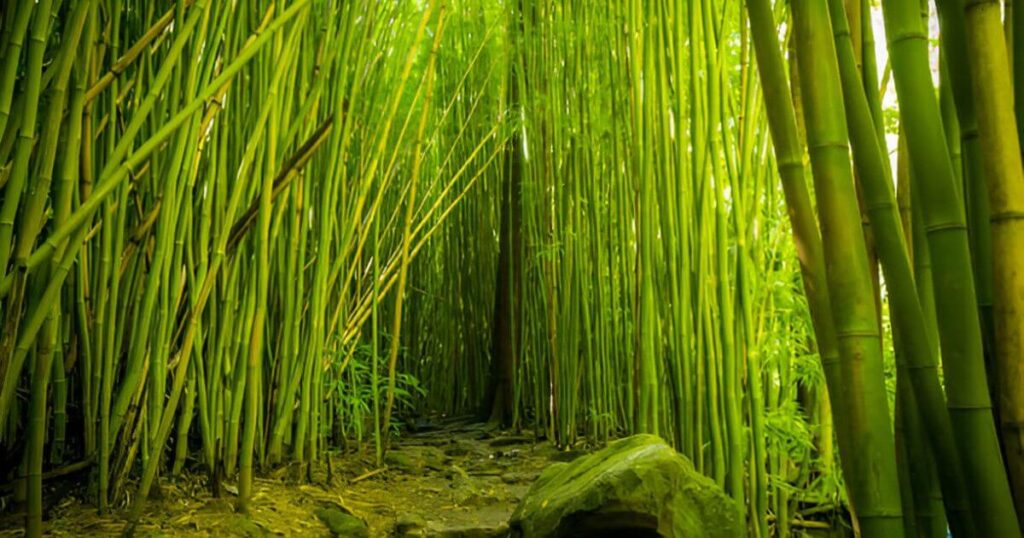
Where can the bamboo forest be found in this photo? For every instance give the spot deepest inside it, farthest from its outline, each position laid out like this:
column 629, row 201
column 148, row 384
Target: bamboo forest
column 512, row 268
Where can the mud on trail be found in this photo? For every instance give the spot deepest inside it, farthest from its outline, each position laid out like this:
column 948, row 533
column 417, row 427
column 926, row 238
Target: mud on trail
column 454, row 479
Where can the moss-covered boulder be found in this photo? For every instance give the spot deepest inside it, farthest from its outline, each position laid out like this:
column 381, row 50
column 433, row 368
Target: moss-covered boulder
column 637, row 486
column 341, row 523
column 414, row 460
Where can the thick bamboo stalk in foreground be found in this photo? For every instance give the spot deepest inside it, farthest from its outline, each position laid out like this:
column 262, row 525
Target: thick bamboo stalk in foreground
column 1004, row 174
column 953, row 282
column 909, row 324
column 873, row 486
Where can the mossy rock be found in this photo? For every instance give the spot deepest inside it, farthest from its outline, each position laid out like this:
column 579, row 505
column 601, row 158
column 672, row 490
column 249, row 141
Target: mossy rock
column 416, row 460
column 401, row 461
column 434, row 458
column 637, row 486
column 342, row 524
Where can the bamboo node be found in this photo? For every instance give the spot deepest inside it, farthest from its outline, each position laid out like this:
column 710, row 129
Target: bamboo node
column 900, row 37
column 1006, row 216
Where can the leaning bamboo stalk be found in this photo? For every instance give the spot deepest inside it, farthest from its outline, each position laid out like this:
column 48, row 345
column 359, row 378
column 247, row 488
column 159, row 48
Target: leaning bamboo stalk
column 114, row 174
column 968, row 170
column 163, row 429
column 18, row 180
column 908, row 316
column 131, row 54
column 410, row 206
column 782, row 120
column 12, row 55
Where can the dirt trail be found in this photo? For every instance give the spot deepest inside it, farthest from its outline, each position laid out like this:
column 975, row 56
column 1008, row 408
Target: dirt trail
column 453, row 480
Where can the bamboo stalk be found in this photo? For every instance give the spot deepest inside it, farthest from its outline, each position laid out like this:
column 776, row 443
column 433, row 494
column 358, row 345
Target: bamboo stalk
column 875, row 493
column 1004, row 174
column 944, row 221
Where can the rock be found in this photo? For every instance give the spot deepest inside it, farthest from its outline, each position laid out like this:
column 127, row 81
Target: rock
column 409, row 525
column 406, row 463
column 415, row 460
column 514, row 453
column 342, row 524
column 295, row 472
column 637, row 486
column 480, row 435
column 434, row 458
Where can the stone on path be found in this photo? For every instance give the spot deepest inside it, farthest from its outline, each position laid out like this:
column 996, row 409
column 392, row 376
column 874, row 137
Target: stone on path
column 342, row 524
column 637, row 486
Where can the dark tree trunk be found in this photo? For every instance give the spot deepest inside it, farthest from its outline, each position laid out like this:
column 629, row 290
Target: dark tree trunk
column 499, row 399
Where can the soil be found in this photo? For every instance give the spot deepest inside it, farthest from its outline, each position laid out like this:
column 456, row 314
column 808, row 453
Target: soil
column 450, row 478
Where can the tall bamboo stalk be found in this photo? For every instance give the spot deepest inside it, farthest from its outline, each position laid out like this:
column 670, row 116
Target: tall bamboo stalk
column 1004, row 174
column 959, row 328
column 908, row 316
column 875, row 492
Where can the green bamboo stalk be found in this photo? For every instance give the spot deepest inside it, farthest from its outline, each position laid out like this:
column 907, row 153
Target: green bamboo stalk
column 18, row 179
column 782, row 120
column 959, row 328
column 255, row 350
column 206, row 287
column 410, row 205
column 875, row 492
column 1004, row 174
column 908, row 316
column 113, row 175
column 970, row 172
column 12, row 56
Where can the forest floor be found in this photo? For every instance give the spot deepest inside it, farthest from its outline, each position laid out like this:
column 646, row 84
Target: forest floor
column 454, row 479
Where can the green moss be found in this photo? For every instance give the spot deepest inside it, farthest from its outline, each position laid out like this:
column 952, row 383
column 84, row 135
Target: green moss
column 638, row 485
column 342, row 524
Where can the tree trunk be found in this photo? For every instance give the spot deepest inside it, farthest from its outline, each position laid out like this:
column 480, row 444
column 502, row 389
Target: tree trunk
column 499, row 399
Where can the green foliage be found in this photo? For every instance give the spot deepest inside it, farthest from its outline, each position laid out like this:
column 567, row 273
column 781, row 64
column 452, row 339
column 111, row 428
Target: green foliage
column 353, row 384
column 891, row 118
column 247, row 231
